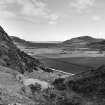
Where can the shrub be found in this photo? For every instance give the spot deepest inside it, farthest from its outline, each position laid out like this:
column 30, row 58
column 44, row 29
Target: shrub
column 35, row 87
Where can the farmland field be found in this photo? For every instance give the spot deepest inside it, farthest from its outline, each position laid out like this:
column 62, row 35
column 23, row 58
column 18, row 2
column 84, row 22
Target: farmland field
column 73, row 64
column 68, row 61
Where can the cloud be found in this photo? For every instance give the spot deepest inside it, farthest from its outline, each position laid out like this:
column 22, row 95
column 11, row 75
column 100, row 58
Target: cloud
column 26, row 9
column 96, row 18
column 53, row 19
column 81, row 5
column 52, row 22
column 33, row 8
column 6, row 14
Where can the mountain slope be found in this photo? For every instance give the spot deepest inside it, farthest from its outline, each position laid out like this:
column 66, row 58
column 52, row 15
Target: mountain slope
column 23, row 79
column 11, row 56
column 97, row 45
column 10, row 88
column 21, row 42
column 83, row 42
column 87, row 88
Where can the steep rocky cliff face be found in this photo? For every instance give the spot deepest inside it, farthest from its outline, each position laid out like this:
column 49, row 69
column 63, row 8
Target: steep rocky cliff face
column 11, row 56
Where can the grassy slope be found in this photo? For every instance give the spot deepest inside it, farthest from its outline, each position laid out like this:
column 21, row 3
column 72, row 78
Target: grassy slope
column 10, row 88
column 73, row 64
column 89, row 86
column 65, row 66
column 86, row 88
column 93, row 62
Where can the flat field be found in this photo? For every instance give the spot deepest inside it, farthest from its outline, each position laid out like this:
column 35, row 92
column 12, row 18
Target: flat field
column 68, row 61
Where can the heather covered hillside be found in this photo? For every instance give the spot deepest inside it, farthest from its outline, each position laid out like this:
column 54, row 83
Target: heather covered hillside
column 11, row 56
column 23, row 79
column 52, row 52
column 86, row 88
column 26, row 81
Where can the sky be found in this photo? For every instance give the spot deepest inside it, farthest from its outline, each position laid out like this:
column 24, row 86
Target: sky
column 53, row 20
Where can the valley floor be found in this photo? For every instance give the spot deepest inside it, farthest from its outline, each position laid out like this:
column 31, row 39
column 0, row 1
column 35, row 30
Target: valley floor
column 68, row 61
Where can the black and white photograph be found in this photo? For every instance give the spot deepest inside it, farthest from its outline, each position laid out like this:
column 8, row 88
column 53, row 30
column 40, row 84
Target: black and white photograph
column 52, row 52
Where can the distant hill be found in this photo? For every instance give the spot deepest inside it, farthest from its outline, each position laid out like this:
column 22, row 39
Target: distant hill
column 21, row 42
column 78, row 43
column 84, row 43
column 80, row 39
column 97, row 45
